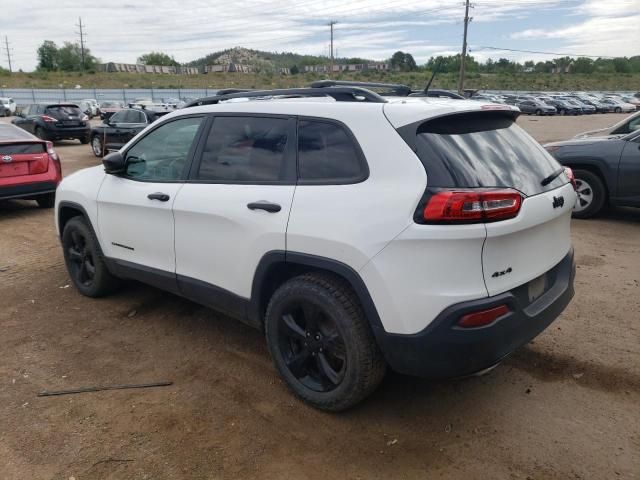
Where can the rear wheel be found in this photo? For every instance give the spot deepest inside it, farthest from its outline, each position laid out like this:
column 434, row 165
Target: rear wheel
column 618, row 110
column 39, row 132
column 562, row 112
column 46, row 201
column 96, row 146
column 538, row 112
column 321, row 343
column 592, row 194
column 84, row 260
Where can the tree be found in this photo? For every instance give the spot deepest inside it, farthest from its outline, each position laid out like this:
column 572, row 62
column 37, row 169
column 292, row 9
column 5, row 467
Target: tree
column 70, row 58
column 403, row 62
column 48, row 56
column 157, row 58
column 583, row 65
column 295, row 70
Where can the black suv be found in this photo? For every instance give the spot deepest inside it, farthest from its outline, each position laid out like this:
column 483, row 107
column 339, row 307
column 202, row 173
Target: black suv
column 54, row 121
column 119, row 128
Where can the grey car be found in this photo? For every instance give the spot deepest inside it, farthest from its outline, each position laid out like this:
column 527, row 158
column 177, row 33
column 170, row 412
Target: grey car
column 606, row 170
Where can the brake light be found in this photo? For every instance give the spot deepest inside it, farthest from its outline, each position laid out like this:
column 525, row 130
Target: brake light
column 572, row 178
column 48, row 119
column 51, row 151
column 483, row 317
column 472, row 206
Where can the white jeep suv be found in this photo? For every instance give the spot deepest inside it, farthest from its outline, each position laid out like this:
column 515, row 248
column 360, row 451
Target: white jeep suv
column 360, row 233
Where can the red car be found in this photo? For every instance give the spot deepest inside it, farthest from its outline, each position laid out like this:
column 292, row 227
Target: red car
column 29, row 167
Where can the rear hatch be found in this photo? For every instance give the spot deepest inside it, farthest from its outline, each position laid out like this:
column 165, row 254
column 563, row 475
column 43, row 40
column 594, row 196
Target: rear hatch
column 66, row 115
column 23, row 158
column 485, row 151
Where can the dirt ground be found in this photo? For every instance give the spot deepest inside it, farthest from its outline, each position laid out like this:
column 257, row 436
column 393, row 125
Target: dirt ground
column 566, row 406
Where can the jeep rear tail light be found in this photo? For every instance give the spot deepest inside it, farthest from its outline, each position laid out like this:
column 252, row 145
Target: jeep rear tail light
column 483, row 317
column 572, row 178
column 472, row 206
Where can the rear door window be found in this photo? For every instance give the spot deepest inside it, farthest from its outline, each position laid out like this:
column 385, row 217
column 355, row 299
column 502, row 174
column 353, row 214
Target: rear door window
column 480, row 149
column 245, row 150
column 328, row 154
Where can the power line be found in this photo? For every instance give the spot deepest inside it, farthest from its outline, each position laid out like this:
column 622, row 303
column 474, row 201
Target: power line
column 8, row 50
column 82, row 34
column 543, row 53
column 464, row 47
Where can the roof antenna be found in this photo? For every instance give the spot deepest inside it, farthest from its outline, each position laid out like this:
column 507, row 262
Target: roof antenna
column 435, row 72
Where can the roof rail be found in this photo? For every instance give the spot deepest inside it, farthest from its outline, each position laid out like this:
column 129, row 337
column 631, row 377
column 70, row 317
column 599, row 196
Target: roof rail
column 394, row 89
column 339, row 94
column 434, row 92
column 227, row 91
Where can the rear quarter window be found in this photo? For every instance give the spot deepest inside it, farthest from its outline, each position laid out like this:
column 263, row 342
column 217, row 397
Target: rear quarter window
column 481, row 149
column 327, row 153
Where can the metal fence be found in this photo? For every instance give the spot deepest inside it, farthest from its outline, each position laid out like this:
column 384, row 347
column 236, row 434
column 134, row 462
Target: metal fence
column 26, row 96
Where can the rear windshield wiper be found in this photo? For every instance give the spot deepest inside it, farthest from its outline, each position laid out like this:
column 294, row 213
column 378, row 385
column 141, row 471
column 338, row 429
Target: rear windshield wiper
column 547, row 180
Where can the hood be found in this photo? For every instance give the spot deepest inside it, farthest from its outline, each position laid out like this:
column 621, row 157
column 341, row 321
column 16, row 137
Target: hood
column 582, row 142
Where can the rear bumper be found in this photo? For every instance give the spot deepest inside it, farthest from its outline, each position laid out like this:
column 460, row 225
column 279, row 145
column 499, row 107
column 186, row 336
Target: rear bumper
column 443, row 350
column 27, row 190
column 57, row 133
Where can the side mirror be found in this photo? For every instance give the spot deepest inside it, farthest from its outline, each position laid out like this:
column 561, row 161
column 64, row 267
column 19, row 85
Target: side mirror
column 114, row 163
column 106, row 121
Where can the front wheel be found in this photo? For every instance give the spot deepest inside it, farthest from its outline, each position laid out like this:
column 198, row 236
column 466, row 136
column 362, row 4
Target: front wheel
column 591, row 192
column 538, row 112
column 97, row 147
column 618, row 110
column 321, row 343
column 84, row 260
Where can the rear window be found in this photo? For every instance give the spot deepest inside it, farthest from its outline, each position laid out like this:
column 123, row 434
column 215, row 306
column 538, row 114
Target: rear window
column 21, row 148
column 63, row 110
column 480, row 149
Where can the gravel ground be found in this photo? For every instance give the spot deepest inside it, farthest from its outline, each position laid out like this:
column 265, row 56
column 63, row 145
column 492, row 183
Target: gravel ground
column 566, row 406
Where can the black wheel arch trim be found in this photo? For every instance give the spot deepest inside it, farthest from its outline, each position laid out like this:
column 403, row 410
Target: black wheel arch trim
column 271, row 259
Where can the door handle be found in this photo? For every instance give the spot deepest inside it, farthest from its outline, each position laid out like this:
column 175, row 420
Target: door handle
column 163, row 197
column 266, row 206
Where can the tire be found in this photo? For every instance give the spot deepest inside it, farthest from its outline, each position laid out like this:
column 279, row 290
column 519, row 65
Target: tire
column 618, row 110
column 592, row 194
column 46, row 201
column 321, row 343
column 538, row 112
column 84, row 140
column 562, row 112
column 96, row 146
column 84, row 260
column 40, row 133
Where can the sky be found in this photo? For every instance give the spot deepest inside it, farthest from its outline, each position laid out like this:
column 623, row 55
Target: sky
column 122, row 30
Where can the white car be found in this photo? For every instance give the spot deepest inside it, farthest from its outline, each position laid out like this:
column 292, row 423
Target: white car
column 618, row 105
column 94, row 107
column 431, row 236
column 7, row 107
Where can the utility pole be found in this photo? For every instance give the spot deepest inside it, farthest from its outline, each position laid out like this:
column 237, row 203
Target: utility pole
column 331, row 24
column 464, row 48
column 8, row 50
column 82, row 34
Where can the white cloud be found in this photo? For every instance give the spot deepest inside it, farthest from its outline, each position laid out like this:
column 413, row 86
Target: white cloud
column 605, row 36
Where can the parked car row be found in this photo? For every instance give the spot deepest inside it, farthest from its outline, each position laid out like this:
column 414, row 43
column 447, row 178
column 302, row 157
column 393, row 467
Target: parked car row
column 565, row 103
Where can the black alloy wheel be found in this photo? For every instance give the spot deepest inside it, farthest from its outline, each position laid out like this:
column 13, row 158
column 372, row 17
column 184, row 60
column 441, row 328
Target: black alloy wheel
column 81, row 260
column 311, row 346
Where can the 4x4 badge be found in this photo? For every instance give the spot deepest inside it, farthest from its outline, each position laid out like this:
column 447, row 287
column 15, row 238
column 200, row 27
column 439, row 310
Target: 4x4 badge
column 7, row 159
column 558, row 202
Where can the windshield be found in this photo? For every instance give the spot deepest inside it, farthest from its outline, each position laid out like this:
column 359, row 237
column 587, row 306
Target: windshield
column 63, row 110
